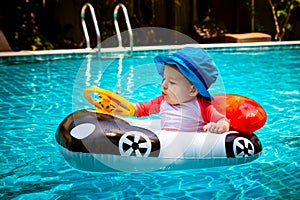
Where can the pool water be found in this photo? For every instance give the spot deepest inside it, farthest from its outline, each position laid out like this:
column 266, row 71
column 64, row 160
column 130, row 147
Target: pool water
column 36, row 96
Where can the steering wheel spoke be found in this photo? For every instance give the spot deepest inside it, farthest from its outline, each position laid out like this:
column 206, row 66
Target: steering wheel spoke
column 109, row 102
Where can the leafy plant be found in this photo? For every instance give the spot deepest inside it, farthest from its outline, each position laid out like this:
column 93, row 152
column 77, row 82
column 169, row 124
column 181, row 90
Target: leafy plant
column 282, row 10
column 27, row 34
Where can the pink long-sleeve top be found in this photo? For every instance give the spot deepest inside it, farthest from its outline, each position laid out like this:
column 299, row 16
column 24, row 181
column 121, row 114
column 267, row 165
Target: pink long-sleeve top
column 188, row 117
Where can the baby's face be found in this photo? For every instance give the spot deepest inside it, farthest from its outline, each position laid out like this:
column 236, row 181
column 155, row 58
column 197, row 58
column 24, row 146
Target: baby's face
column 175, row 87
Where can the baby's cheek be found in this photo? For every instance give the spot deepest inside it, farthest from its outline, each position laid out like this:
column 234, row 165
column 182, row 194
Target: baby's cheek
column 176, row 93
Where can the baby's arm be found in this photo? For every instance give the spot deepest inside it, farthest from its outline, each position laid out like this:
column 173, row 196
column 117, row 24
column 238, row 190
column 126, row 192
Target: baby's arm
column 216, row 122
column 220, row 126
column 148, row 108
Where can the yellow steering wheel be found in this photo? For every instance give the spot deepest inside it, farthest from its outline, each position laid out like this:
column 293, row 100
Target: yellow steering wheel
column 109, row 102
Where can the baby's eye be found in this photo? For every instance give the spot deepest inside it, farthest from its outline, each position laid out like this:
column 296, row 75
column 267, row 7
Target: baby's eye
column 172, row 82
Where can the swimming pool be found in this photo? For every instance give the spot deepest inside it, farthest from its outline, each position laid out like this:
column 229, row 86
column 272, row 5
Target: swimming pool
column 36, row 95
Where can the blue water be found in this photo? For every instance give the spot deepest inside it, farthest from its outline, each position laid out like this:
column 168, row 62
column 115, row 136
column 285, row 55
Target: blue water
column 36, row 96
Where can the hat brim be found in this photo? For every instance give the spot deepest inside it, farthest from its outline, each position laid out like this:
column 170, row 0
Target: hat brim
column 161, row 61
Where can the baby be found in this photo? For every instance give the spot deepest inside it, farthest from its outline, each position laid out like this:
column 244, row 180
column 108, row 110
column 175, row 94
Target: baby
column 185, row 103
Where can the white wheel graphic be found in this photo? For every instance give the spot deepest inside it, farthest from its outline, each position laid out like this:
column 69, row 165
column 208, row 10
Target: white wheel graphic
column 242, row 147
column 134, row 142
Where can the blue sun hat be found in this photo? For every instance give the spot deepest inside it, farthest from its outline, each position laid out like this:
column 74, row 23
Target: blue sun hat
column 195, row 64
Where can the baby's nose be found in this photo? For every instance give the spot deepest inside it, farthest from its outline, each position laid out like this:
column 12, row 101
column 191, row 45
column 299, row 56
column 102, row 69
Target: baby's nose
column 164, row 85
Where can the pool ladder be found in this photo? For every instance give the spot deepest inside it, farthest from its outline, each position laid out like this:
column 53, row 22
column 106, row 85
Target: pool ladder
column 86, row 34
column 85, row 31
column 127, row 24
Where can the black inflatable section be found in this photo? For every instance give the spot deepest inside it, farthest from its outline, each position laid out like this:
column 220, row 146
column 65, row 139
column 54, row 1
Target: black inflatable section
column 106, row 135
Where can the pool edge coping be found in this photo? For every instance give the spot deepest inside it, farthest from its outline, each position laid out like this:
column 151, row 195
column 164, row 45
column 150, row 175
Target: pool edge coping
column 145, row 48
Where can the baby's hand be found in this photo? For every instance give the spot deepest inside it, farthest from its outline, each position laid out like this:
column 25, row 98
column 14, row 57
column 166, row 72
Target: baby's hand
column 219, row 127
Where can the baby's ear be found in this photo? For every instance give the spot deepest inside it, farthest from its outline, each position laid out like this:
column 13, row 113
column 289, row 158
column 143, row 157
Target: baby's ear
column 193, row 91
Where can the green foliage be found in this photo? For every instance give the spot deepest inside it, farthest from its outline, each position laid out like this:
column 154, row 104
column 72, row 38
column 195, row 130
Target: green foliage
column 281, row 13
column 27, row 34
column 284, row 9
column 289, row 27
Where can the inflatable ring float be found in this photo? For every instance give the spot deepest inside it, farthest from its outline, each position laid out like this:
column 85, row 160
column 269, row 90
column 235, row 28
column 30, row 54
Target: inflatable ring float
column 99, row 142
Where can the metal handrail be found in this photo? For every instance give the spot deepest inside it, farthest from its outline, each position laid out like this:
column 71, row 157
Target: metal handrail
column 86, row 34
column 127, row 23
